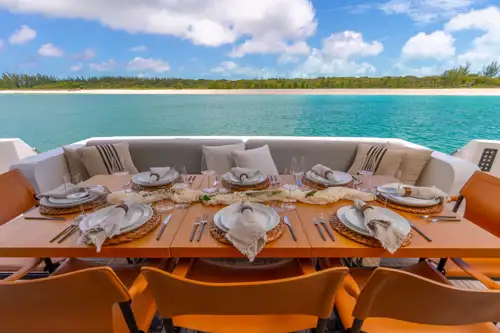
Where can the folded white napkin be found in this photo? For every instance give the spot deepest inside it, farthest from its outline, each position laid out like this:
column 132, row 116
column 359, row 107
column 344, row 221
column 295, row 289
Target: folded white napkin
column 325, row 172
column 106, row 228
column 247, row 234
column 417, row 191
column 244, row 173
column 381, row 227
column 160, row 171
column 62, row 191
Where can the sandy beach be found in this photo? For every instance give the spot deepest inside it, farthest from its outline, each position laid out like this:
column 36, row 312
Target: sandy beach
column 432, row 92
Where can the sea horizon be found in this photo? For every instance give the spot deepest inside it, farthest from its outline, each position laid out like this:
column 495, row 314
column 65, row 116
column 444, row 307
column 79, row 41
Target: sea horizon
column 48, row 121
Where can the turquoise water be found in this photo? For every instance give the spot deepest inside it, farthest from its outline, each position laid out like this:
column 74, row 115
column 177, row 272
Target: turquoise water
column 440, row 122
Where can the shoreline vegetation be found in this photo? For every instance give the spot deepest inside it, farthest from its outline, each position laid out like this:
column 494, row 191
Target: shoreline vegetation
column 459, row 77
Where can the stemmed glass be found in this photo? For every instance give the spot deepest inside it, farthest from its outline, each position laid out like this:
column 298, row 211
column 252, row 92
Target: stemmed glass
column 117, row 168
column 207, row 172
column 297, row 168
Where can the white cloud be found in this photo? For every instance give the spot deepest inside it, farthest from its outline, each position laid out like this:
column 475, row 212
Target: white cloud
column 50, row 50
column 427, row 11
column 319, row 64
column 139, row 48
column 401, row 68
column 486, row 47
column 350, row 43
column 141, row 64
column 230, row 68
column 77, row 67
column 268, row 45
column 103, row 66
column 259, row 24
column 337, row 54
column 22, row 35
column 85, row 54
column 437, row 45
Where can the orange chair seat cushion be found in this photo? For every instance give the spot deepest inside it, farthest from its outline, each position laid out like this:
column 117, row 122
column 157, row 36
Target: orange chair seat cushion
column 246, row 324
column 357, row 279
column 488, row 266
column 143, row 306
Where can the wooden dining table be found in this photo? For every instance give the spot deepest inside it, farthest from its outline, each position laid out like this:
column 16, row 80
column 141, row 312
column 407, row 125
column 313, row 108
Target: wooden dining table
column 22, row 237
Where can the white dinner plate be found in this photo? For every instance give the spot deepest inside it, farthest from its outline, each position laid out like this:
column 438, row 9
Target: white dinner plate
column 344, row 178
column 68, row 200
column 48, row 202
column 144, row 179
column 137, row 215
column 258, row 178
column 226, row 217
column 392, row 196
column 354, row 220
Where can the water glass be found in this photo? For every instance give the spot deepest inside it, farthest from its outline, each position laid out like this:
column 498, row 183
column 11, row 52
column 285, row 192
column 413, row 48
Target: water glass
column 66, row 180
column 117, row 168
column 297, row 169
column 205, row 170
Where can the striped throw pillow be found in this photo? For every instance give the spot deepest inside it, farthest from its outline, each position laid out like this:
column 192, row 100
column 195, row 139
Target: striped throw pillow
column 377, row 159
column 107, row 159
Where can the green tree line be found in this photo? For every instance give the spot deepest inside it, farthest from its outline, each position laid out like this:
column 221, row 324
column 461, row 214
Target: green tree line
column 459, row 77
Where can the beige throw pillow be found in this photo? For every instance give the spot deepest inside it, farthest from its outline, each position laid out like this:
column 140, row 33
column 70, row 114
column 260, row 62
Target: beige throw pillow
column 75, row 163
column 379, row 160
column 258, row 158
column 219, row 158
column 413, row 162
column 100, row 159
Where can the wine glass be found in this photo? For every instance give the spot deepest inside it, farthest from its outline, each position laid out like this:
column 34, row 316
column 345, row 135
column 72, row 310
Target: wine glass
column 117, row 168
column 205, row 170
column 66, row 180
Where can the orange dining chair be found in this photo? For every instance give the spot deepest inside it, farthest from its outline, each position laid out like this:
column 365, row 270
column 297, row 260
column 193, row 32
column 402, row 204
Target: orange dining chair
column 16, row 197
column 77, row 298
column 416, row 299
column 481, row 193
column 271, row 306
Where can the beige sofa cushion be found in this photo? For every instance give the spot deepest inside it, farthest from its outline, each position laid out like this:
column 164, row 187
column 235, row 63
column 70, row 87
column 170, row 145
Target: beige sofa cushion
column 413, row 162
column 258, row 158
column 219, row 158
column 379, row 160
column 99, row 159
column 75, row 163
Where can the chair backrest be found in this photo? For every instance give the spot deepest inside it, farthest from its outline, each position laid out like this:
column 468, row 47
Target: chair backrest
column 396, row 294
column 75, row 302
column 481, row 193
column 16, row 195
column 311, row 294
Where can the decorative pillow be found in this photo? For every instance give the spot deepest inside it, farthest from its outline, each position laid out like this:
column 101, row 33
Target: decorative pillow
column 219, row 158
column 75, row 163
column 99, row 160
column 413, row 162
column 258, row 158
column 379, row 160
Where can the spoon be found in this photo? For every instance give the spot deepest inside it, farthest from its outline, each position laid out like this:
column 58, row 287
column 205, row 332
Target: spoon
column 443, row 220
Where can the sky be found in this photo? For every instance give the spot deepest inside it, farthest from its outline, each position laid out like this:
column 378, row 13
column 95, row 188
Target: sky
column 234, row 39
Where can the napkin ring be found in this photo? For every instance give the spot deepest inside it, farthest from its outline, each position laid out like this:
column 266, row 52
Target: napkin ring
column 245, row 207
column 155, row 174
column 365, row 207
column 243, row 175
column 407, row 191
column 327, row 173
column 125, row 207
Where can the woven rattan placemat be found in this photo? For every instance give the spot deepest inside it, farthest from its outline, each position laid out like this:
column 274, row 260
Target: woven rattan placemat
column 142, row 231
column 44, row 210
column 358, row 238
column 262, row 186
column 272, row 234
column 414, row 210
